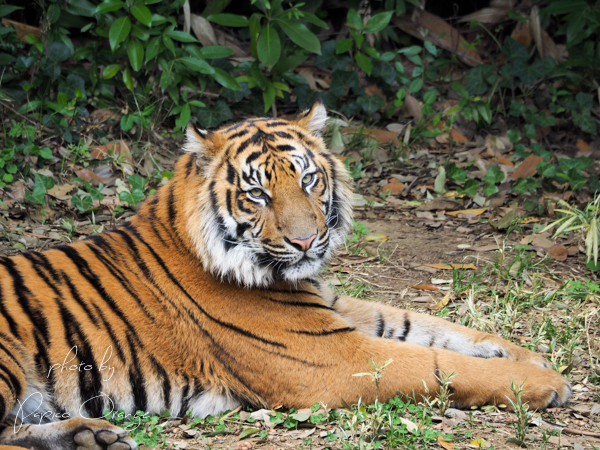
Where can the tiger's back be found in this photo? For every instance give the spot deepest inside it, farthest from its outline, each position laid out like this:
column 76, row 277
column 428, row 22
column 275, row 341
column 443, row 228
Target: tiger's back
column 208, row 298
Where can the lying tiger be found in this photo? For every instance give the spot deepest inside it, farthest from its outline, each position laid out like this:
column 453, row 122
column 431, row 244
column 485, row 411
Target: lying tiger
column 210, row 298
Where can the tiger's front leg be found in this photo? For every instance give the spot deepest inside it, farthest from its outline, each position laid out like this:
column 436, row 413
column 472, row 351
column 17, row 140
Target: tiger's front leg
column 388, row 322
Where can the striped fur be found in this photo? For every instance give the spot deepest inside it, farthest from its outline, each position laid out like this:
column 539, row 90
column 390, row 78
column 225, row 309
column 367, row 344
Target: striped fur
column 208, row 298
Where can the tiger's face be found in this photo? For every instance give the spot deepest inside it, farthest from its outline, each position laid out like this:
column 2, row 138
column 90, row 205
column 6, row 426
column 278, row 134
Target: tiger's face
column 274, row 203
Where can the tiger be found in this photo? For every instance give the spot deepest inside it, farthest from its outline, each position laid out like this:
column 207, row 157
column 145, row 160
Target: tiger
column 210, row 298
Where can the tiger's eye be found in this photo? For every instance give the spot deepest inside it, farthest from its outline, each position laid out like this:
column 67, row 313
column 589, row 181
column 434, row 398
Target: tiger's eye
column 256, row 192
column 307, row 178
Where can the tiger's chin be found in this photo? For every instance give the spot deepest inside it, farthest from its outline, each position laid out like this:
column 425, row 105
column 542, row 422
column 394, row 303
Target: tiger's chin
column 303, row 269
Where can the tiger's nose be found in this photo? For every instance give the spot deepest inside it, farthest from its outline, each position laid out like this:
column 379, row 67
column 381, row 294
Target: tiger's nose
column 303, row 244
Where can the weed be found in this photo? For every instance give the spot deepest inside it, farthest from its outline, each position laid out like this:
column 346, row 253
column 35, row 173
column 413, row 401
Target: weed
column 584, row 222
column 523, row 414
column 376, row 374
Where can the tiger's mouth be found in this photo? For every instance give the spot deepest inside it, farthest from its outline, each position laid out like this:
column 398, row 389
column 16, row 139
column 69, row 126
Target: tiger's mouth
column 294, row 265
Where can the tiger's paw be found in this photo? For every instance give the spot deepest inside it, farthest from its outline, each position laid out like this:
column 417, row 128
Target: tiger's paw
column 73, row 434
column 546, row 390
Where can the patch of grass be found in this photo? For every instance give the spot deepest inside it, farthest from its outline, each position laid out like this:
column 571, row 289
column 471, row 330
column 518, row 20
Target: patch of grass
column 353, row 289
column 142, row 427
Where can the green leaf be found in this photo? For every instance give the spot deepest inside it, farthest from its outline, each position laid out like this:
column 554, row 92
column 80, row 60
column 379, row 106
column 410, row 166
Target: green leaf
column 493, row 175
column 460, row 89
column 363, row 62
column 81, row 203
column 137, row 181
column 268, row 46
column 198, row 65
column 343, row 45
column 248, row 432
column 370, row 104
column 109, row 6
column 309, row 17
column 329, row 59
column 216, row 52
column 142, row 13
column 229, row 20
column 135, row 51
column 514, row 50
column 47, row 182
column 269, row 96
column 169, row 44
column 415, row 85
column 132, row 198
column 342, row 80
column 46, row 153
column 127, row 122
column 471, row 187
column 300, row 35
column 456, row 173
column 119, row 30
column 153, row 48
column 565, row 6
column 490, row 189
column 477, row 79
column 181, row 36
column 127, row 79
column 226, row 80
column 184, row 115
column 213, row 117
column 354, row 19
column 5, row 10
column 378, row 22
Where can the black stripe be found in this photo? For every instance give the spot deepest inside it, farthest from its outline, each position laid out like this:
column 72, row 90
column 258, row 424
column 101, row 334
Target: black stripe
column 405, row 328
column 300, row 304
column 238, row 134
column 380, row 326
column 136, row 378
column 123, row 280
column 11, row 381
column 166, row 383
column 230, row 326
column 111, row 333
column 38, row 320
column 324, row 332
column 141, row 264
column 2, row 408
column 189, row 165
column 12, row 324
column 285, row 148
column 277, row 123
column 283, row 134
column 86, row 272
column 8, row 352
column 90, row 381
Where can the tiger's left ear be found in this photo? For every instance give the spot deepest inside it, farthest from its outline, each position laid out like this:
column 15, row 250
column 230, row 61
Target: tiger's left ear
column 314, row 119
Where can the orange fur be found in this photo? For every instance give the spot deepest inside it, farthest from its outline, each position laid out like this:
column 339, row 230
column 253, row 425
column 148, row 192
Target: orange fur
column 203, row 301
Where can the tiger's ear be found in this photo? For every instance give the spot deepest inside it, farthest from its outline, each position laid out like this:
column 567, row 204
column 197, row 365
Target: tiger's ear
column 196, row 139
column 314, row 119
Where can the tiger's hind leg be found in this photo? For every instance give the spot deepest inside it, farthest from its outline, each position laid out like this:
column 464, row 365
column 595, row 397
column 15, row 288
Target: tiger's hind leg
column 78, row 433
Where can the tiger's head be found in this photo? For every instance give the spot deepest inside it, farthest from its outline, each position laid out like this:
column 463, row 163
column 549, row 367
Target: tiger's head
column 274, row 204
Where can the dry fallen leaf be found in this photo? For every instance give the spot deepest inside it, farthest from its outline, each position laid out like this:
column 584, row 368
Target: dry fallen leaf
column 410, row 426
column 527, row 167
column 376, row 237
column 426, row 287
column 452, row 266
column 558, row 252
column 394, row 186
column 444, row 443
column 60, row 190
column 484, row 248
column 473, row 212
column 442, row 303
column 480, row 443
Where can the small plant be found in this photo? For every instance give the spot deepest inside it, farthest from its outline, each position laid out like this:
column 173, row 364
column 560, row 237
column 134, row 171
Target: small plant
column 377, row 373
column 583, row 222
column 523, row 414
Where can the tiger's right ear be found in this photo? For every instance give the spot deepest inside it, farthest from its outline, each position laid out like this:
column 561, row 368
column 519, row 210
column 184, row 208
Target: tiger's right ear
column 199, row 141
column 196, row 139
